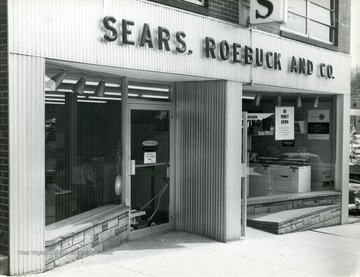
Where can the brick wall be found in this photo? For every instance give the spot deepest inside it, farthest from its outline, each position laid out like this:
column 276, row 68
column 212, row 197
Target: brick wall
column 342, row 24
column 227, row 10
column 4, row 134
column 342, row 34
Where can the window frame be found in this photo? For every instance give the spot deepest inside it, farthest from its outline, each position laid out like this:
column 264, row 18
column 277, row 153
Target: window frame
column 196, row 2
column 308, row 19
column 187, row 5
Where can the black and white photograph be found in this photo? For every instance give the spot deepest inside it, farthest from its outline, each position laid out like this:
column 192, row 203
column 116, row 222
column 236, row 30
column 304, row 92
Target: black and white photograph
column 171, row 138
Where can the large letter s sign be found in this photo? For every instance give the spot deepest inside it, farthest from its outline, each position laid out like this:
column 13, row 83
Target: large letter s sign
column 266, row 4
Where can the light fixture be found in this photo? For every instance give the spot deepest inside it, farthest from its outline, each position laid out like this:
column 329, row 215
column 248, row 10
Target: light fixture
column 100, row 89
column 54, row 82
column 54, row 95
column 298, row 101
column 80, row 85
column 58, row 78
column 315, row 103
column 278, row 100
column 91, row 101
column 90, row 83
column 104, row 98
column 54, row 103
column 154, row 96
column 257, row 100
column 148, row 88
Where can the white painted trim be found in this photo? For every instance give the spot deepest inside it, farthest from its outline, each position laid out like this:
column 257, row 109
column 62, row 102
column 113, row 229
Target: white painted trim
column 342, row 153
column 26, row 163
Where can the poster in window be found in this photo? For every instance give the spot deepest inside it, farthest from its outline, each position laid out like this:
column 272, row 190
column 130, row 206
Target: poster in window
column 260, row 124
column 319, row 124
column 284, row 123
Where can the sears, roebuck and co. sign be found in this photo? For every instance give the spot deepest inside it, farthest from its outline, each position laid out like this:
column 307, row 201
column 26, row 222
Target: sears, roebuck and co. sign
column 124, row 33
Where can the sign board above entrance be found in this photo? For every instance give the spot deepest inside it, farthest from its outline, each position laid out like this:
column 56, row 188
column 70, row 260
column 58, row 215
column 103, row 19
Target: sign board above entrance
column 222, row 51
column 266, row 11
column 186, row 59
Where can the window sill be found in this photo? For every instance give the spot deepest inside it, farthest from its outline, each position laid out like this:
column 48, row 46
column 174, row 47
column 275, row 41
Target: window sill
column 58, row 231
column 290, row 196
column 184, row 6
column 307, row 40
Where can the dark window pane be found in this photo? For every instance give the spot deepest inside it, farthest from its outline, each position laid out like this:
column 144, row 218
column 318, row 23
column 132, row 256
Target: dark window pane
column 82, row 149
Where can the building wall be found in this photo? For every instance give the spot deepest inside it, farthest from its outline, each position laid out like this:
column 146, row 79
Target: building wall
column 208, row 151
column 342, row 35
column 227, row 10
column 232, row 11
column 4, row 132
column 342, row 26
column 27, row 163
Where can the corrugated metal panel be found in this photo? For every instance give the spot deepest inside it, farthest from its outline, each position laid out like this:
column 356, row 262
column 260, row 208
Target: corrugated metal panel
column 205, row 179
column 289, row 48
column 72, row 30
column 233, row 160
column 27, row 163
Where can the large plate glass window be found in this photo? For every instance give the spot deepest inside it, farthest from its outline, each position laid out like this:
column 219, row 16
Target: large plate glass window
column 312, row 18
column 291, row 143
column 83, row 151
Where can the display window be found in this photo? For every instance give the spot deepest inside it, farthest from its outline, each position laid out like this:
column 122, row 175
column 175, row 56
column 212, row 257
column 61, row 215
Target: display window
column 84, row 144
column 291, row 143
column 83, row 149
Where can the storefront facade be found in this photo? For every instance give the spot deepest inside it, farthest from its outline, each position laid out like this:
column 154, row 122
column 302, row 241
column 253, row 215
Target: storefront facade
column 143, row 106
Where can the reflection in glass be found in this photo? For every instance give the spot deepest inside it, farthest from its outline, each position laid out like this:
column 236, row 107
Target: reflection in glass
column 83, row 154
column 320, row 31
column 296, row 23
column 320, row 14
column 302, row 16
column 150, row 184
column 324, row 3
column 297, row 6
column 291, row 166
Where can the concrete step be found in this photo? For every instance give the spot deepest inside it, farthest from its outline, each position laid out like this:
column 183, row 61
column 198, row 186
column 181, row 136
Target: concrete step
column 4, row 265
column 290, row 221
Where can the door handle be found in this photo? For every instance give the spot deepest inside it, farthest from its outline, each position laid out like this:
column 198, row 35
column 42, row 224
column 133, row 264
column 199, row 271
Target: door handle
column 132, row 167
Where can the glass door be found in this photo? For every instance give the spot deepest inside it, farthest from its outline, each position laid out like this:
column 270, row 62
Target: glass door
column 150, row 172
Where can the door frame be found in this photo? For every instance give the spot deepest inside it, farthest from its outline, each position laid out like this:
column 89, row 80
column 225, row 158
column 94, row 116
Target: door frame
column 153, row 106
column 244, row 173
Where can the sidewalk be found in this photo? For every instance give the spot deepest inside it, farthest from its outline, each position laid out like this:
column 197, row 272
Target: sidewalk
column 332, row 251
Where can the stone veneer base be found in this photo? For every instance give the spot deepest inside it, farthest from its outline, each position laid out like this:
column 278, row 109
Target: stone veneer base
column 79, row 237
column 296, row 220
column 276, row 203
